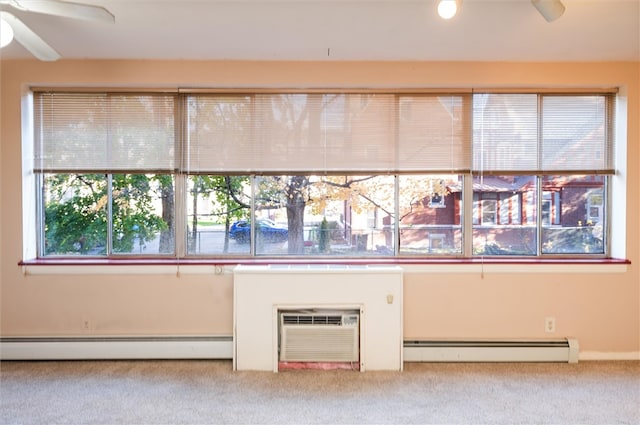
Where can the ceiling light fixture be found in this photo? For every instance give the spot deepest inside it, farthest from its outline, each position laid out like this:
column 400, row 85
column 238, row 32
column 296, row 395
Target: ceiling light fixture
column 6, row 33
column 550, row 9
column 447, row 9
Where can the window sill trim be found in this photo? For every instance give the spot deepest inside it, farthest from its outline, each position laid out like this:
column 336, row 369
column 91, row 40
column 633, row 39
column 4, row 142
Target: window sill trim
column 157, row 266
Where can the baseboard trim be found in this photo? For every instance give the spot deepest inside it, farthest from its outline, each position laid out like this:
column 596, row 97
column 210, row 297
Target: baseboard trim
column 116, row 348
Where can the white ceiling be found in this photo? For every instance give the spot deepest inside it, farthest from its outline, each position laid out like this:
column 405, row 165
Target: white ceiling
column 493, row 30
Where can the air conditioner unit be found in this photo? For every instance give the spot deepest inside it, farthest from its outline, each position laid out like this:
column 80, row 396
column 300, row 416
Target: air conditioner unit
column 319, row 336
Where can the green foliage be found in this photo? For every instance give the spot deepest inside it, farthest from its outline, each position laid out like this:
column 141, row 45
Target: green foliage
column 76, row 213
column 133, row 217
column 230, row 198
column 324, row 240
column 226, row 193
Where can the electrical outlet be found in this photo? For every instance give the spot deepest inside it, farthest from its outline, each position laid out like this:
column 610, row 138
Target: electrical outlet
column 550, row 324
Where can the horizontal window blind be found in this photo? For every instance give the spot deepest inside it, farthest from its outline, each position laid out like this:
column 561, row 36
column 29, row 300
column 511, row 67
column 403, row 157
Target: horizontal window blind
column 218, row 133
column 543, row 133
column 102, row 132
column 435, row 133
column 353, row 132
column 505, row 132
column 326, row 132
column 577, row 134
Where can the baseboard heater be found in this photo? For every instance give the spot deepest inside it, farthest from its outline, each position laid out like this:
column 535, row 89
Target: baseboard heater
column 122, row 348
column 560, row 350
column 116, row 348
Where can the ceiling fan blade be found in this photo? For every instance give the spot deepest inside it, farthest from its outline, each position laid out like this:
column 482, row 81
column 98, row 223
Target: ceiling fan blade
column 29, row 39
column 65, row 9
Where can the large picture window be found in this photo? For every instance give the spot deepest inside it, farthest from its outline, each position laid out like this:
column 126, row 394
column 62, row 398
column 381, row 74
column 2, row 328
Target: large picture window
column 345, row 174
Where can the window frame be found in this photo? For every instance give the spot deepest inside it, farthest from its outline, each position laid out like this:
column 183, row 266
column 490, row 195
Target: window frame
column 181, row 251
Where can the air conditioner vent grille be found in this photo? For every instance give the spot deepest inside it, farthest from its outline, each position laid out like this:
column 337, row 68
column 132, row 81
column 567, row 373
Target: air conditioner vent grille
column 307, row 319
column 323, row 344
column 319, row 336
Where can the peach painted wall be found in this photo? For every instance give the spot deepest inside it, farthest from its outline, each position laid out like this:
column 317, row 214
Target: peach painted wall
column 601, row 310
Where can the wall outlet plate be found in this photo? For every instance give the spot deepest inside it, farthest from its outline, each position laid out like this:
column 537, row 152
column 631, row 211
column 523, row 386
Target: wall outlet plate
column 550, row 324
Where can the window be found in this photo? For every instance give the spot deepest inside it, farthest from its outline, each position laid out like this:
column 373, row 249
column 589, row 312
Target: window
column 104, row 214
column 214, row 204
column 506, row 220
column 436, row 201
column 327, row 215
column 106, row 164
column 438, row 191
column 580, row 228
column 423, row 228
column 548, row 206
column 346, row 174
column 546, row 153
column 489, row 207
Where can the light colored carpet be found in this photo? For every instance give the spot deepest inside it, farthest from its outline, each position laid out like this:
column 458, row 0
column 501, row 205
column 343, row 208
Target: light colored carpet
column 209, row 392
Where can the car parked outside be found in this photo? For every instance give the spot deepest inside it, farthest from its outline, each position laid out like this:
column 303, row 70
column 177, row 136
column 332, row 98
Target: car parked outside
column 268, row 231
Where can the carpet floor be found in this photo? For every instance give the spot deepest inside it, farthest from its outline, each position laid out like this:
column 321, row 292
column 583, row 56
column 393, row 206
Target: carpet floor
column 209, row 392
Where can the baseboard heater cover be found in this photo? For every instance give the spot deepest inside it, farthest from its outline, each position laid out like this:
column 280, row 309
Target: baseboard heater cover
column 557, row 350
column 116, row 348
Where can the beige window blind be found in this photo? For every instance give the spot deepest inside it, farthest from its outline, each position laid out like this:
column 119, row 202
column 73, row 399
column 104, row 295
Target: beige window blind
column 353, row 132
column 103, row 132
column 435, row 133
column 327, row 132
column 543, row 133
